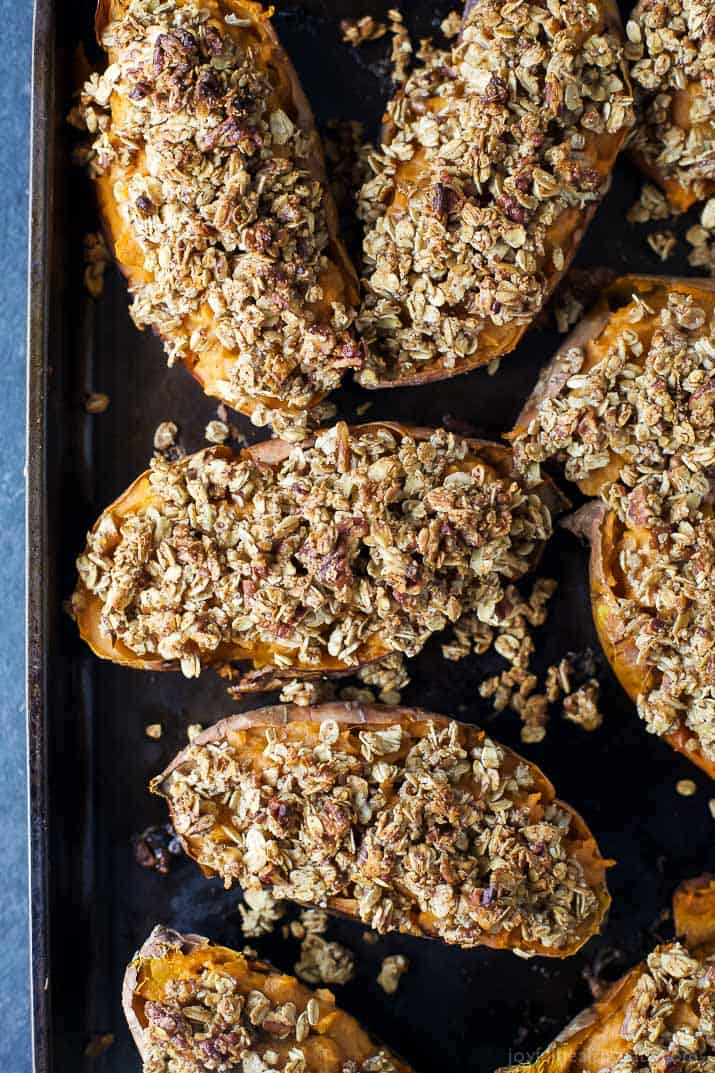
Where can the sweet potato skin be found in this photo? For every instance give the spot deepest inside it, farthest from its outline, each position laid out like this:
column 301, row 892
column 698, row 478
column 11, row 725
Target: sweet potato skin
column 163, row 938
column 507, row 338
column 354, row 714
column 602, row 529
column 592, row 1041
column 87, row 612
column 211, row 366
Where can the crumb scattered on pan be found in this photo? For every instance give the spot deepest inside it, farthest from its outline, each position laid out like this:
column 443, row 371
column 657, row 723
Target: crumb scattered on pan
column 216, row 432
column 157, row 848
column 686, row 787
column 98, row 1045
column 363, row 408
column 96, row 259
column 651, row 205
column 153, row 730
column 391, row 970
column 700, row 237
column 581, row 706
column 309, row 922
column 388, row 676
column 401, row 52
column 359, row 31
column 711, row 806
column 370, row 937
column 96, row 402
column 662, row 243
column 193, row 730
column 165, row 435
column 451, row 26
column 323, row 961
column 304, row 693
column 261, row 913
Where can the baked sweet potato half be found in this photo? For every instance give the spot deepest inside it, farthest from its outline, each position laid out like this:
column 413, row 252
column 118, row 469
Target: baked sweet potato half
column 307, row 559
column 652, row 596
column 672, row 54
column 212, row 191
column 192, row 1007
column 629, row 395
column 659, row 1016
column 495, row 154
column 403, row 819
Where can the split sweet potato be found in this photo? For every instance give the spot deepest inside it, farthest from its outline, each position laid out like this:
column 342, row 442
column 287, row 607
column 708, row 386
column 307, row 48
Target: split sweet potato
column 271, row 660
column 603, row 1035
column 595, row 336
column 671, row 60
column 387, row 815
column 246, row 232
column 611, row 591
column 464, row 245
column 200, row 1006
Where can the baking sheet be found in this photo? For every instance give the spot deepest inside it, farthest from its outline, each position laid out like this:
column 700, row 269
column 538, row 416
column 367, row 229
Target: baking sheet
column 90, row 759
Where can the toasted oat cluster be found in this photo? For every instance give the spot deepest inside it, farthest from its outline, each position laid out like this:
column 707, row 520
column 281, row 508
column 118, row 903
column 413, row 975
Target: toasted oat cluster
column 649, row 400
column 219, row 189
column 668, row 612
column 671, row 46
column 210, row 1022
column 670, row 1018
column 489, row 156
column 364, row 536
column 404, row 821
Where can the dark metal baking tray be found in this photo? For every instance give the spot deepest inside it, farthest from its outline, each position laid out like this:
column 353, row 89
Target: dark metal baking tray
column 90, row 759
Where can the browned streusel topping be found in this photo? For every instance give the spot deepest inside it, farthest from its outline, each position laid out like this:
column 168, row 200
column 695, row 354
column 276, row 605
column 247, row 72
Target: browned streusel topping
column 362, row 536
column 219, row 190
column 668, row 613
column 208, row 1023
column 402, row 821
column 671, row 45
column 670, row 1018
column 488, row 137
column 650, row 402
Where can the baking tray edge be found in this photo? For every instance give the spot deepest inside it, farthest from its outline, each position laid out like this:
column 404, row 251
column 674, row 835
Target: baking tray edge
column 41, row 141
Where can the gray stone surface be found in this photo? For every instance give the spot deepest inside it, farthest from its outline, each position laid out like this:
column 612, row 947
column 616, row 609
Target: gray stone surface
column 16, row 19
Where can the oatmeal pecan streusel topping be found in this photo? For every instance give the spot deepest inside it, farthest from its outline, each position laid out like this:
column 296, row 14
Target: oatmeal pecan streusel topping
column 215, row 170
column 669, row 1020
column 225, row 1013
column 671, row 46
column 494, row 150
column 425, row 826
column 359, row 544
column 647, row 400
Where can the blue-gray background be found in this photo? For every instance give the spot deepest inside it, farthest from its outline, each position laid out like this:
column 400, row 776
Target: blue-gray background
column 16, row 20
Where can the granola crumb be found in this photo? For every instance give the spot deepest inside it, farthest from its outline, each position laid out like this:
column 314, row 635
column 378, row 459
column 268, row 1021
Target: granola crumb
column 581, row 706
column 96, row 402
column 165, row 435
column 261, row 913
column 96, row 259
column 401, row 52
column 216, row 432
column 193, row 730
column 391, row 970
column 388, row 675
column 363, row 408
column 651, row 205
column 370, row 937
column 686, row 787
column 451, row 26
column 153, row 730
column 711, row 806
column 324, row 962
column 357, row 32
column 701, row 238
column 306, row 692
column 662, row 243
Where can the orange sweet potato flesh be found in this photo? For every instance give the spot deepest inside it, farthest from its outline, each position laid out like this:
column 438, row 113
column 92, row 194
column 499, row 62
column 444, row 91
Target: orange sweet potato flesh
column 566, row 232
column 339, row 281
column 592, row 1041
column 608, row 584
column 596, row 334
column 246, row 734
column 140, row 496
column 335, row 1040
